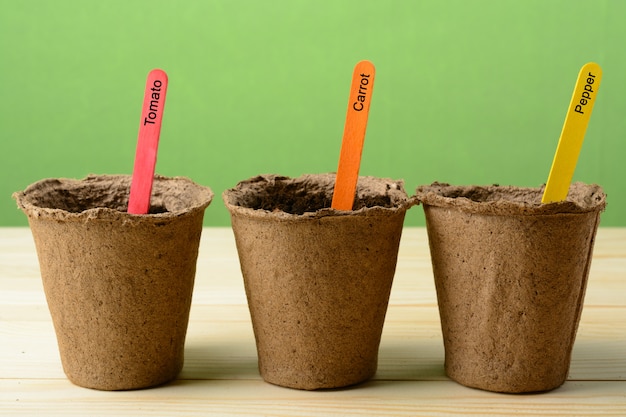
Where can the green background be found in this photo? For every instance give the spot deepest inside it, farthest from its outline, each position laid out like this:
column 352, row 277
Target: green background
column 467, row 92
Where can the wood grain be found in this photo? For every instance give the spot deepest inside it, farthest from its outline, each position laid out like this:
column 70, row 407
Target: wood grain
column 220, row 375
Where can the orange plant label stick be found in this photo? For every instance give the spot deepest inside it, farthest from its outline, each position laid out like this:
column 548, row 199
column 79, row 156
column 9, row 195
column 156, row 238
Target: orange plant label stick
column 361, row 91
column 148, row 142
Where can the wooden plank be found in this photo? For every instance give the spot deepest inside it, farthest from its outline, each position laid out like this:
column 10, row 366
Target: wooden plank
column 254, row 398
column 220, row 374
column 220, row 345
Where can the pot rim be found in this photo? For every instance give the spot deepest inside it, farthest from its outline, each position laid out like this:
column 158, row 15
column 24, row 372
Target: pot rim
column 583, row 198
column 25, row 199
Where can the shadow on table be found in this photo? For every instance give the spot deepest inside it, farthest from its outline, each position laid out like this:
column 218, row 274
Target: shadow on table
column 220, row 361
column 414, row 360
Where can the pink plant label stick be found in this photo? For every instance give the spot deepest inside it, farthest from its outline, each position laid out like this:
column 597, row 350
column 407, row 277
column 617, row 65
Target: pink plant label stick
column 148, row 142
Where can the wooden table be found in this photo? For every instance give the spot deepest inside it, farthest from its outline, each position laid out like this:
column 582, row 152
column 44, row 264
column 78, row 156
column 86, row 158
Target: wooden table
column 220, row 375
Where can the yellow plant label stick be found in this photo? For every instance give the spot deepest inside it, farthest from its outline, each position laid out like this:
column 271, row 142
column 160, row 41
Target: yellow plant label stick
column 573, row 133
column 361, row 90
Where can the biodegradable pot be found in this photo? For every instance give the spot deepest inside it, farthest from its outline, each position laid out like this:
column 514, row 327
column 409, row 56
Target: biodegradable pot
column 510, row 275
column 317, row 279
column 118, row 285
